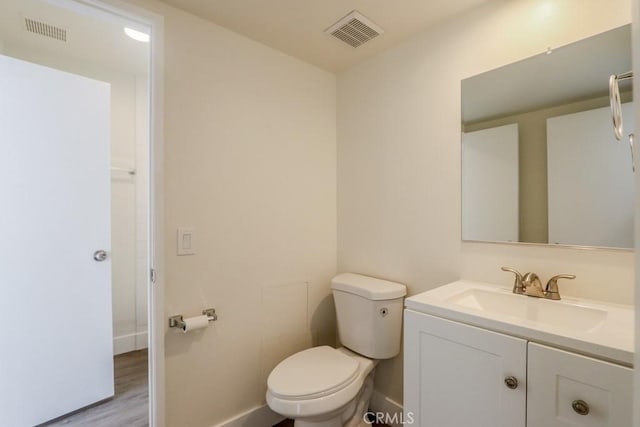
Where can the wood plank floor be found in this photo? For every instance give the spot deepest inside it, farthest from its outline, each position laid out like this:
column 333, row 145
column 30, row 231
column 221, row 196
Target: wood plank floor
column 130, row 405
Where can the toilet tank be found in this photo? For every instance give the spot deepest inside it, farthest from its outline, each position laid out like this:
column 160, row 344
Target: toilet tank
column 369, row 314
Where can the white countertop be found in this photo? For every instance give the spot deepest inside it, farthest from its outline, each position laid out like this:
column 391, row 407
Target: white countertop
column 598, row 329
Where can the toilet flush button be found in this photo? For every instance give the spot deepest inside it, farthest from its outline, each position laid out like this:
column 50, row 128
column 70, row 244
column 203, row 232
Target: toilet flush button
column 185, row 241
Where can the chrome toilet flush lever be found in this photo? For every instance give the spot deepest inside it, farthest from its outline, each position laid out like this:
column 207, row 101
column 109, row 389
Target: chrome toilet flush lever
column 530, row 284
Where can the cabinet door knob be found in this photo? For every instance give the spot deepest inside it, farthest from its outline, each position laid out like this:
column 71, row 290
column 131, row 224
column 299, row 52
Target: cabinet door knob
column 580, row 407
column 511, row 382
column 100, row 255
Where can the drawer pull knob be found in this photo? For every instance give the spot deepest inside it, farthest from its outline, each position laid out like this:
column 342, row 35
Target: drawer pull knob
column 580, row 407
column 511, row 382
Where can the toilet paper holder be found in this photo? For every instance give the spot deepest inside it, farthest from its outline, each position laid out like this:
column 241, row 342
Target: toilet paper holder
column 177, row 321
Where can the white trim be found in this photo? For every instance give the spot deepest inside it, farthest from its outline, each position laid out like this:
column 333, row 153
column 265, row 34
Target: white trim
column 142, row 340
column 257, row 417
column 381, row 403
column 261, row 416
column 130, row 342
column 156, row 175
column 157, row 324
column 635, row 33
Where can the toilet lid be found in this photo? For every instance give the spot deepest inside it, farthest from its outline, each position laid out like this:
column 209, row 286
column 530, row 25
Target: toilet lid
column 314, row 372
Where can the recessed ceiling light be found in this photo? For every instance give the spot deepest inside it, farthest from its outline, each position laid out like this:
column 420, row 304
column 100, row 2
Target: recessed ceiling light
column 137, row 35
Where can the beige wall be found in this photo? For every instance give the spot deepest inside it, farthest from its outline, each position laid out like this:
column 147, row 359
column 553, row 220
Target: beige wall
column 399, row 156
column 250, row 163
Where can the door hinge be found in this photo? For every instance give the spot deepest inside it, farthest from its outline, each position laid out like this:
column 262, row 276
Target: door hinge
column 152, row 275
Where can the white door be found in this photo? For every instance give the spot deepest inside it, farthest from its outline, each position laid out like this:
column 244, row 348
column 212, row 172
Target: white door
column 490, row 184
column 569, row 390
column 454, row 375
column 590, row 180
column 55, row 299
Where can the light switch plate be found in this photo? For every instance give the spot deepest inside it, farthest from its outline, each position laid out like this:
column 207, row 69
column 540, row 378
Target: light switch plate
column 185, row 241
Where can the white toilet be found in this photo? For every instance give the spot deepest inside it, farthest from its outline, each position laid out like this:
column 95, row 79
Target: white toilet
column 328, row 387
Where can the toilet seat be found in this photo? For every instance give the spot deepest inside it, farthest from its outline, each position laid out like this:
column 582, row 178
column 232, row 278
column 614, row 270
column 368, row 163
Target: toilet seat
column 316, row 381
column 312, row 373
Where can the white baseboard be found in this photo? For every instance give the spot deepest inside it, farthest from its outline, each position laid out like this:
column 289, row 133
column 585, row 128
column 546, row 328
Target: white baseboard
column 392, row 409
column 261, row 416
column 130, row 342
column 142, row 340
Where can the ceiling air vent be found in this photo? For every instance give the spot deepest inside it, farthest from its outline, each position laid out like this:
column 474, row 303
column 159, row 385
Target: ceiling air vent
column 354, row 29
column 45, row 29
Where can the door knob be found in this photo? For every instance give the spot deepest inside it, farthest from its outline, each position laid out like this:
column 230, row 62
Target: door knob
column 580, row 407
column 100, row 255
column 511, row 382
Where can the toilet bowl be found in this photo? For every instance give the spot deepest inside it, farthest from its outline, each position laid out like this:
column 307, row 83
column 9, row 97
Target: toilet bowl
column 328, row 387
column 323, row 386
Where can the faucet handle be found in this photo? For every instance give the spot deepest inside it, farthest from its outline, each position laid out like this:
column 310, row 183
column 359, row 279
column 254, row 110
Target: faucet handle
column 552, row 291
column 518, row 287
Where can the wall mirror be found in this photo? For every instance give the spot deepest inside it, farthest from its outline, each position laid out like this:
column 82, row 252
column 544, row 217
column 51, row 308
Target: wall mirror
column 540, row 162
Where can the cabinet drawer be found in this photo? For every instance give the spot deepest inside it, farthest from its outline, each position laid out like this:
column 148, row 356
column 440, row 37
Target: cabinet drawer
column 556, row 379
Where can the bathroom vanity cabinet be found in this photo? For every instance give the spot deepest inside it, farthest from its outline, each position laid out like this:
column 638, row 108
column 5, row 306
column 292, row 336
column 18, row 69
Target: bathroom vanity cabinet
column 458, row 375
column 454, row 374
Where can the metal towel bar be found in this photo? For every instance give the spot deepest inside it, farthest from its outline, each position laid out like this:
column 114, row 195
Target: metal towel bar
column 616, row 105
column 616, row 109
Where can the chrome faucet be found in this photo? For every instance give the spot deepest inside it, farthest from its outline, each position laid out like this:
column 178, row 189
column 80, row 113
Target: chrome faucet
column 530, row 284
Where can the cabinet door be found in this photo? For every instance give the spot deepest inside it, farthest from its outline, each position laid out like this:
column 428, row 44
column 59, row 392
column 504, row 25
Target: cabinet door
column 558, row 378
column 455, row 375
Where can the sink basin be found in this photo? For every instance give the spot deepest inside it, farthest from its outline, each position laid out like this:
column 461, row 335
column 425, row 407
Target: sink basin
column 589, row 327
column 552, row 313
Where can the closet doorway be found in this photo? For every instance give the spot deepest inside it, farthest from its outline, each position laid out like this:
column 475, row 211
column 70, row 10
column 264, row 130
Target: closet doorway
column 75, row 263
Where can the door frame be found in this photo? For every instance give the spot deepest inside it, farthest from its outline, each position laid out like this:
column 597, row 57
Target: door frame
column 635, row 33
column 156, row 251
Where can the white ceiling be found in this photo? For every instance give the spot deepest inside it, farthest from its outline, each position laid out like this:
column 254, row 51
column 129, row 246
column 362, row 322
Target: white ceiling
column 94, row 37
column 296, row 27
